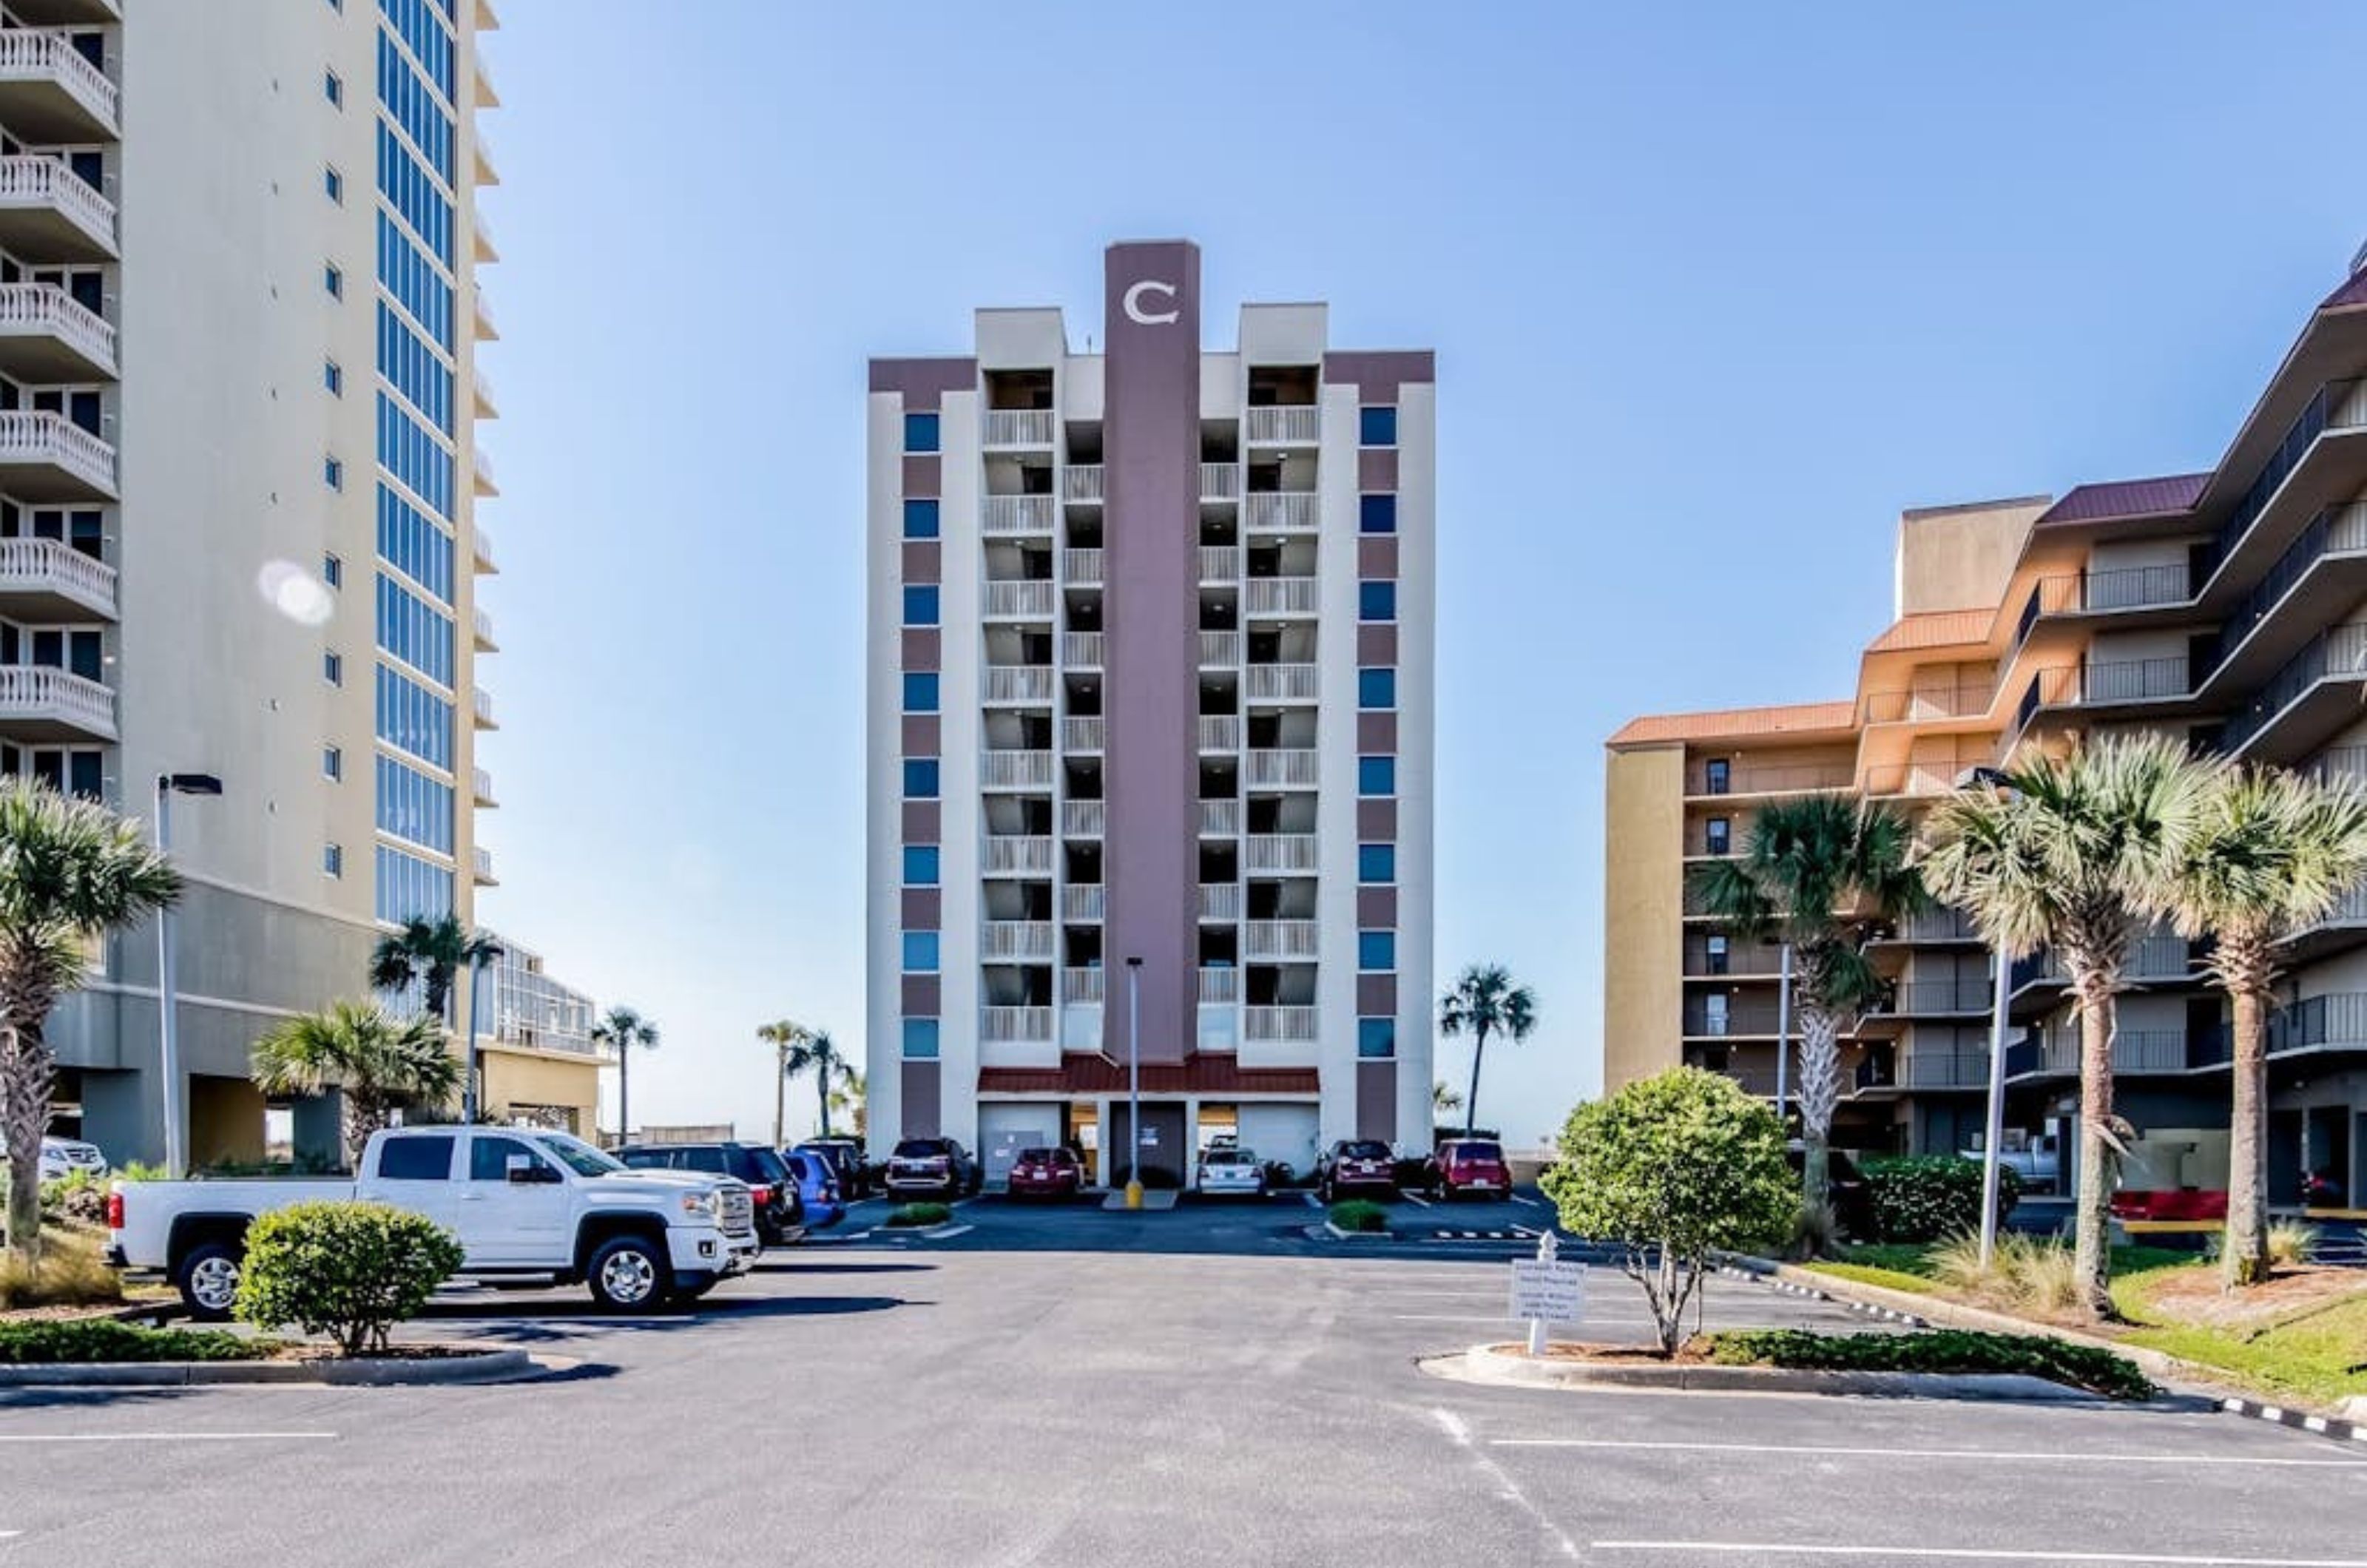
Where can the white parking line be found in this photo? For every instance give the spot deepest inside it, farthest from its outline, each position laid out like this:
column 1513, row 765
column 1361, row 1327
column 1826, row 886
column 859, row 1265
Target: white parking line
column 1459, row 1434
column 2048, row 1456
column 1532, row 1203
column 164, row 1437
column 1310, row 1200
column 1417, row 1198
column 1970, row 1554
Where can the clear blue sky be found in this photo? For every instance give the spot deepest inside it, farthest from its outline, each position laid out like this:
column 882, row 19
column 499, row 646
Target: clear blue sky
column 1716, row 291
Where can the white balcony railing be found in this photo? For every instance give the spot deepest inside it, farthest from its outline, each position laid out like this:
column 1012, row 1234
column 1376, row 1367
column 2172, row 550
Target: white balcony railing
column 481, row 543
column 44, row 309
column 1018, row 683
column 482, row 859
column 1220, row 900
column 1082, row 482
column 1081, row 651
column 1083, row 818
column 1218, row 649
column 1282, row 683
column 480, row 463
column 1279, row 596
column 36, row 54
column 1281, row 770
column 482, row 703
column 1278, row 1025
column 1219, row 563
column 482, row 787
column 33, row 180
column 39, row 691
column 1014, row 769
column 1295, row 424
column 1021, row 1026
column 1278, row 938
column 1083, row 903
column 1011, row 855
column 1081, row 985
column 1083, row 732
column 1016, row 515
column 48, row 565
column 1278, row 851
column 1082, row 568
column 1220, row 481
column 1017, row 427
column 486, row 407
column 1010, row 940
column 1217, row 986
column 1280, row 512
column 36, row 437
column 1221, row 732
column 1220, row 818
column 1026, row 600
column 487, row 327
column 480, row 625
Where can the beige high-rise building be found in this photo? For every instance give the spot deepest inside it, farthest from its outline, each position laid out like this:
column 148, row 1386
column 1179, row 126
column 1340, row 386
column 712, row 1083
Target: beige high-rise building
column 2226, row 606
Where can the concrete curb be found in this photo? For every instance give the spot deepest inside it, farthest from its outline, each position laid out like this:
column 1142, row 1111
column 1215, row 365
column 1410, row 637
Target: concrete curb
column 1483, row 1363
column 2299, row 1420
column 481, row 1367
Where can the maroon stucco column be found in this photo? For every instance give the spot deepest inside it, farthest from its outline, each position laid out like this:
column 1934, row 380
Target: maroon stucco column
column 1150, row 436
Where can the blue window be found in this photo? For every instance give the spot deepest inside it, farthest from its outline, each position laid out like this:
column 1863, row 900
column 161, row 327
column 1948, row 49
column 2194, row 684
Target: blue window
column 333, row 473
column 920, row 952
column 333, row 376
column 413, row 368
column 408, row 885
column 413, row 280
column 429, row 36
column 1377, row 687
column 1377, row 862
column 412, row 717
column 921, row 1039
column 920, row 692
column 420, row 460
column 413, row 546
column 920, row 604
column 1376, row 425
column 920, row 433
column 1377, row 951
column 333, row 184
column 1377, row 514
column 1376, row 601
column 920, row 865
column 412, row 631
column 1377, row 775
column 413, row 805
column 405, row 182
column 920, row 778
column 921, row 519
column 1377, row 1037
column 404, row 92
column 333, row 279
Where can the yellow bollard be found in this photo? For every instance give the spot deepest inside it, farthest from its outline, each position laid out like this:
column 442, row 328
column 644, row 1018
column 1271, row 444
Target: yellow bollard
column 1134, row 1194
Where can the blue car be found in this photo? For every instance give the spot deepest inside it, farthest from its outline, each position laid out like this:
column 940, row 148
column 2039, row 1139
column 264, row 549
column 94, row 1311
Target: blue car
column 818, row 1186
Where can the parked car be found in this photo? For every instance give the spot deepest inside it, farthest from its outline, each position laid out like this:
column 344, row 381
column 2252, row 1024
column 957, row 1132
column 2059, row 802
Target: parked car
column 1355, row 1165
column 818, row 1188
column 1229, row 1172
column 1472, row 1165
column 2040, row 1164
column 1047, row 1172
column 523, row 1201
column 845, row 1155
column 932, row 1167
column 61, row 1157
column 780, row 1207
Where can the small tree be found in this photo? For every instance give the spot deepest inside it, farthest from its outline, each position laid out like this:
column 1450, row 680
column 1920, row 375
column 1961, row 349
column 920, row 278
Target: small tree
column 380, row 1064
column 349, row 1271
column 1485, row 1001
column 1673, row 1169
column 429, row 954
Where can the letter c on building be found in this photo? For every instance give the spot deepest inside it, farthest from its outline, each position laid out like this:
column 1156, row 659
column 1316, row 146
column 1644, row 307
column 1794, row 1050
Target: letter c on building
column 1135, row 311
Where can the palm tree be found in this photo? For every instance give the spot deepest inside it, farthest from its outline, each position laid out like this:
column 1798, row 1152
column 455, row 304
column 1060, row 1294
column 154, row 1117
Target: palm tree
column 623, row 1029
column 780, row 1036
column 2272, row 853
column 380, row 1063
column 2076, row 853
column 849, row 1098
column 1484, row 1001
column 1443, row 1098
column 430, row 953
column 69, row 871
column 818, row 1055
column 1826, row 875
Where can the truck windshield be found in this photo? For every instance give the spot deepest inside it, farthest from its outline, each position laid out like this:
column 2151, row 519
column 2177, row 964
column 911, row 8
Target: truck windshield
column 577, row 1155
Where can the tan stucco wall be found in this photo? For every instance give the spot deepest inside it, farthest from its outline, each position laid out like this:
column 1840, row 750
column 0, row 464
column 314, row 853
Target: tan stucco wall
column 1960, row 558
column 527, row 1077
column 1643, row 925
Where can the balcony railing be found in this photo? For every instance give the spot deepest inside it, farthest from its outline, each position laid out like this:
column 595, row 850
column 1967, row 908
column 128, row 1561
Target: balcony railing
column 1278, row 1026
column 1005, row 514
column 1018, row 683
column 1755, row 959
column 1029, row 599
column 1918, row 780
column 1081, row 651
column 39, row 694
column 2337, row 531
column 1221, row 732
column 1220, row 818
column 1081, row 569
column 481, row 464
column 36, row 438
column 1084, row 903
column 31, row 54
column 1279, row 596
column 1946, row 1069
column 1005, row 855
column 29, row 309
column 1082, row 482
column 1220, row 900
column 1082, row 986
column 1774, row 779
column 2351, row 910
column 481, row 626
column 1278, row 938
column 1016, row 427
column 2134, row 1051
column 34, row 182
column 1219, row 563
column 1219, row 985
column 481, row 545
column 1281, row 682
column 2117, row 588
column 1939, row 925
column 482, row 787
column 1009, row 941
column 1293, row 424
column 1278, row 851
column 1014, row 1026
column 48, row 566
column 2338, row 653
column 1281, row 512
column 1083, row 818
column 2151, row 958
column 480, row 703
column 2337, row 405
column 482, row 863
column 2119, row 681
column 1922, row 706
column 1014, row 769
column 1914, row 999
column 1220, row 481
column 1083, row 732
column 1704, row 1022
column 1220, row 649
column 1280, row 770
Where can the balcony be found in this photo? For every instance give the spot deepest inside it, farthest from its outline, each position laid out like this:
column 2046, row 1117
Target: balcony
column 1912, row 780
column 481, row 548
column 1027, row 600
column 1014, row 769
column 47, row 456
column 482, row 867
column 1278, row 1026
column 1292, row 424
column 1221, row 732
column 1081, row 651
column 2116, row 688
column 1081, row 569
column 482, row 705
column 1971, row 997
column 1081, row 985
column 1220, row 563
column 1084, row 903
column 481, row 471
column 1081, row 483
column 48, row 214
column 488, row 330
column 1220, row 900
column 1280, row 770
column 1220, row 482
column 2314, row 696
column 1219, row 650
column 2116, row 593
column 2055, row 1054
column 1003, row 854
column 1927, row 706
column 1805, row 778
column 1220, row 818
column 1280, row 683
column 1015, row 942
column 2290, row 484
column 1269, row 596
column 41, row 580
column 1083, row 818
column 67, row 13
column 1084, row 732
column 46, row 336
column 1003, row 515
column 1944, row 1070
column 2321, row 575
column 1014, row 1026
column 1281, row 512
column 2153, row 958
column 2343, row 926
column 481, row 627
column 1706, row 1020
column 1219, row 985
column 481, row 789
column 1006, row 428
column 1936, row 926
column 1026, row 684
column 483, row 388
column 1266, row 941
column 1755, row 961
column 1271, row 852
column 38, row 703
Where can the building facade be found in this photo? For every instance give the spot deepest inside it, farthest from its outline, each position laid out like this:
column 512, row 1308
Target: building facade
column 239, row 471
column 539, row 1063
column 1150, row 663
column 2227, row 607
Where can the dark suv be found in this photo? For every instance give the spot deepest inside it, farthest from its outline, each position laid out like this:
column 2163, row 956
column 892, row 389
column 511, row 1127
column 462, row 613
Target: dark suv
column 932, row 1167
column 1356, row 1165
column 780, row 1212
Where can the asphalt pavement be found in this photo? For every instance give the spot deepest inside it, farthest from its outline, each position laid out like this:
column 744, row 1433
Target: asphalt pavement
column 1064, row 1386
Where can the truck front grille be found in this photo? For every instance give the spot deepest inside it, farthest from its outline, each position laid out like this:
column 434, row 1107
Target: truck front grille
column 739, row 1213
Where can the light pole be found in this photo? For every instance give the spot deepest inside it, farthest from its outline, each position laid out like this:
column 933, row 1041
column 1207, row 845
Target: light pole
column 2001, row 987
column 168, row 1045
column 1784, row 1038
column 468, row 1096
column 1134, row 1082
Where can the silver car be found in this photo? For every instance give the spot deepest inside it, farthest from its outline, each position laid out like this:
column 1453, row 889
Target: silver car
column 63, row 1156
column 1230, row 1173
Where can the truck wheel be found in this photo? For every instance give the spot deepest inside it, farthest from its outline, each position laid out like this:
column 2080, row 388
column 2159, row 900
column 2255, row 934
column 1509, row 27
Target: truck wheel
column 627, row 1273
column 210, row 1281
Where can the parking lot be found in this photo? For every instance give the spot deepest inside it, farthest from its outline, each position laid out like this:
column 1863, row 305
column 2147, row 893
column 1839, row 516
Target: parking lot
column 1063, row 1386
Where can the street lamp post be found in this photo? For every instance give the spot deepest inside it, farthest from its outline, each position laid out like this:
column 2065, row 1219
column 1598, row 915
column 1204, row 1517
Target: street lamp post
column 168, row 1043
column 1134, row 1082
column 2001, row 987
column 468, row 1096
column 1784, row 1038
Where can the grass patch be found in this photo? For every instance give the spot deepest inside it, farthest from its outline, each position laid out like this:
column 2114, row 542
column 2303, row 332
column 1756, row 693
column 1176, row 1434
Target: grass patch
column 72, row 1272
column 1360, row 1216
column 59, row 1341
column 1945, row 1351
column 1870, row 1274
column 2314, row 1355
column 913, row 1216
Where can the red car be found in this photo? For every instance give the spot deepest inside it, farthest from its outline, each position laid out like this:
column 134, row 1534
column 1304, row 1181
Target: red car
column 1467, row 1164
column 1046, row 1173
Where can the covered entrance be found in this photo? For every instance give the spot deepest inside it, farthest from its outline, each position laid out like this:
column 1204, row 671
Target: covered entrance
column 1166, row 1158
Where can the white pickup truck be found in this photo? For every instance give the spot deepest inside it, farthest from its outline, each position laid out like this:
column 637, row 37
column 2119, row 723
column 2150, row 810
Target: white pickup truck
column 525, row 1203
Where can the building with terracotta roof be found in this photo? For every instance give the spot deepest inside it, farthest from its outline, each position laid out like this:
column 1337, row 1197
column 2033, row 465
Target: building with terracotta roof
column 2228, row 606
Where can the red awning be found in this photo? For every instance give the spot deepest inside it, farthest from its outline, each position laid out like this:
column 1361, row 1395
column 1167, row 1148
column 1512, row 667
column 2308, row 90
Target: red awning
column 1099, row 1075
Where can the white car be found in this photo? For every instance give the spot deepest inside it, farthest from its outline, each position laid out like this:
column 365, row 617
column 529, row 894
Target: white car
column 61, row 1157
column 1230, row 1173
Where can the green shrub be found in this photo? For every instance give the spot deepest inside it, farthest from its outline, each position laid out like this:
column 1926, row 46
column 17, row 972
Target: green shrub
column 1925, row 1197
column 916, row 1215
column 2026, row 1273
column 135, row 1170
column 2292, row 1244
column 58, row 1340
column 1937, row 1350
column 349, row 1271
column 1360, row 1216
column 78, row 1197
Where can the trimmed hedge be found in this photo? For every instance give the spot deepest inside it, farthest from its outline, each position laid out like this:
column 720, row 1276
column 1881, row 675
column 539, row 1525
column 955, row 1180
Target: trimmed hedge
column 1361, row 1215
column 1936, row 1351
column 914, row 1216
column 80, row 1340
column 346, row 1270
column 1925, row 1197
